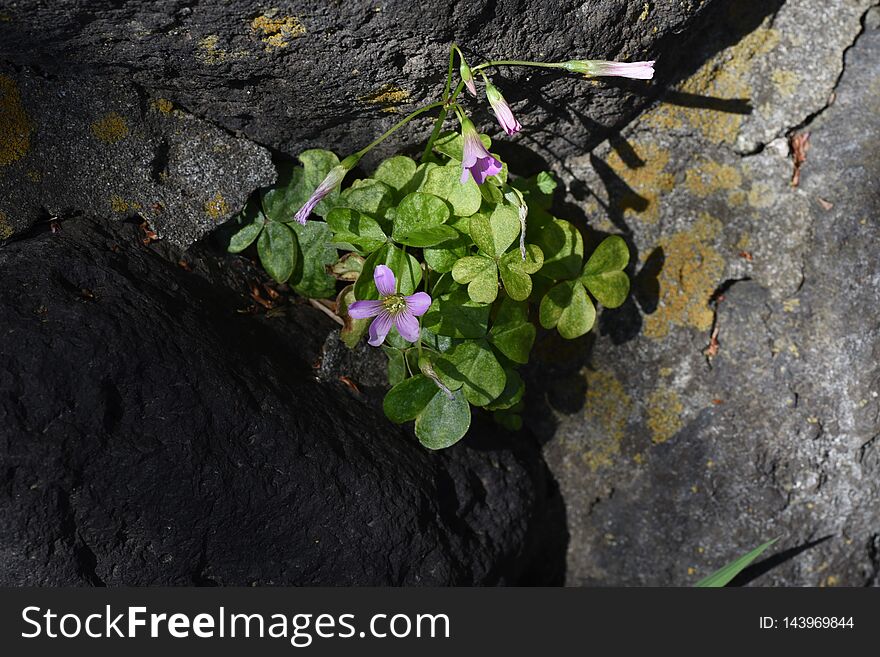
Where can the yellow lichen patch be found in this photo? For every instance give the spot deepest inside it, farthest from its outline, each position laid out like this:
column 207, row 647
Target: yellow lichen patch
column 786, row 82
column 110, row 128
column 216, row 207
column 664, row 414
column 163, row 106
column 209, row 52
column 34, row 176
column 647, row 182
column 388, row 97
column 6, row 229
column 723, row 79
column 15, row 125
column 277, row 32
column 691, row 271
column 607, row 410
column 119, row 204
column 646, row 10
column 761, row 195
column 710, row 176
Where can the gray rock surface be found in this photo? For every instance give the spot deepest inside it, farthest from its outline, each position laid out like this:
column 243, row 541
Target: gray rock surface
column 150, row 434
column 675, row 453
column 100, row 91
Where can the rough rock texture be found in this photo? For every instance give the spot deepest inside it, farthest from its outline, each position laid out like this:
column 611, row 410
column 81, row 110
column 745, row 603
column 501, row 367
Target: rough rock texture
column 152, row 435
column 97, row 90
column 677, row 452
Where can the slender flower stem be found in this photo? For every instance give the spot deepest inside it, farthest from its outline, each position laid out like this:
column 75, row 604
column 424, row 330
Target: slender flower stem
column 438, row 124
column 397, row 127
column 516, row 62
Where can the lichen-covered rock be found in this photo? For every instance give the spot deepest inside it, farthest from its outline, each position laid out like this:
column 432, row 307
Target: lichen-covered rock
column 149, row 434
column 735, row 398
column 100, row 145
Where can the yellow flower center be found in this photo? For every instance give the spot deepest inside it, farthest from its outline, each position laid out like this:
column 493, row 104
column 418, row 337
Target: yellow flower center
column 394, row 304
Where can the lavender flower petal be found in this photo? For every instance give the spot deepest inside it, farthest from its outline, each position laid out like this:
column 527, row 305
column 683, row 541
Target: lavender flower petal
column 379, row 329
column 408, row 326
column 333, row 178
column 476, row 160
column 385, row 281
column 502, row 110
column 364, row 309
column 418, row 303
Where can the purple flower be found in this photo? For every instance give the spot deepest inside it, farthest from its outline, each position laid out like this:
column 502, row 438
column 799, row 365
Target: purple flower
column 392, row 309
column 599, row 68
column 505, row 117
column 330, row 182
column 475, row 160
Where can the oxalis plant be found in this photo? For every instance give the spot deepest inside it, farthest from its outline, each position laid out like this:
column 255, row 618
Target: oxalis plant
column 446, row 259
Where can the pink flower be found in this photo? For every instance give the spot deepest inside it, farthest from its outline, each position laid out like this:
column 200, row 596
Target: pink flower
column 599, row 68
column 330, row 182
column 505, row 117
column 476, row 160
column 392, row 309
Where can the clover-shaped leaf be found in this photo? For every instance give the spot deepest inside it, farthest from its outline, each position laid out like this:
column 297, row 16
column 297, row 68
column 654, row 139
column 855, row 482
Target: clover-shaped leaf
column 445, row 182
column 396, row 171
column 408, row 398
column 455, row 315
column 278, row 250
column 515, row 272
column 603, row 274
column 419, row 221
column 567, row 307
column 480, row 273
column 563, row 249
column 495, row 233
column 472, row 366
column 357, row 229
column 444, row 420
column 368, row 196
column 310, row 277
column 512, row 333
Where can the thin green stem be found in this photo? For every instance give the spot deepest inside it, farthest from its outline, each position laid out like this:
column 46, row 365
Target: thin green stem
column 438, row 125
column 397, row 127
column 516, row 62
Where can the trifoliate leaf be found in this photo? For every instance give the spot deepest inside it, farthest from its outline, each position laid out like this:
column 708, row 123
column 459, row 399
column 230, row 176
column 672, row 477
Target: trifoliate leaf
column 603, row 274
column 481, row 275
column 473, row 366
column 310, row 277
column 278, row 250
column 515, row 272
column 494, row 233
column 563, row 249
column 512, row 333
column 444, row 421
column 396, row 171
column 355, row 228
column 457, row 316
column 567, row 307
column 408, row 398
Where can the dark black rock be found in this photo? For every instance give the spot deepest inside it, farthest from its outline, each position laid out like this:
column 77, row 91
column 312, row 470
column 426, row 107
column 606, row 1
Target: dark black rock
column 151, row 435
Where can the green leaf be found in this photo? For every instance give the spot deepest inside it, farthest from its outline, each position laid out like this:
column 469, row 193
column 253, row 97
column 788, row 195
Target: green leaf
column 457, row 316
column 406, row 270
column 418, row 220
column 563, row 249
column 396, row 171
column 481, row 275
column 436, row 342
column 353, row 329
column 603, row 274
column 281, row 202
column 418, row 179
column 445, row 182
column 397, row 371
column 512, row 333
column 723, row 576
column 408, row 398
column 515, row 272
column 472, row 365
column 514, row 389
column 451, row 144
column 316, row 165
column 278, row 250
column 310, row 277
column 444, row 421
column 369, row 196
column 246, row 235
column 567, row 307
column 443, row 257
column 355, row 228
column 495, row 233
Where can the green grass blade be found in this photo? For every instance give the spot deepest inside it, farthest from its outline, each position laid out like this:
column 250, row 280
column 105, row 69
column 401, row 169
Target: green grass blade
column 722, row 576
